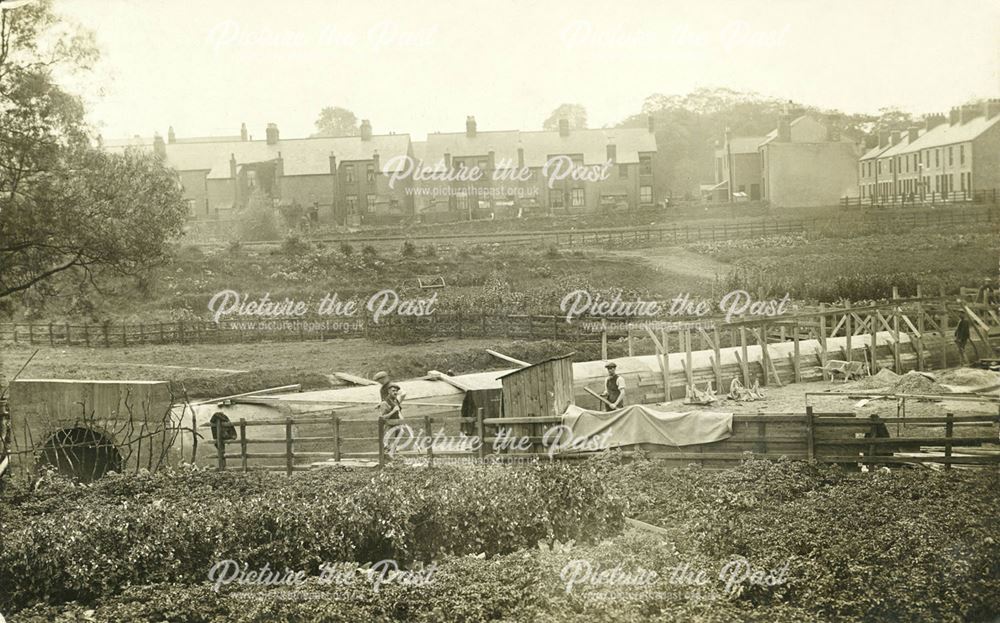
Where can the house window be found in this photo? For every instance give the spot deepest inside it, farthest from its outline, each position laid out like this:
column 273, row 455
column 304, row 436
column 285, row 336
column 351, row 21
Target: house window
column 879, row 167
column 370, row 202
column 646, row 194
column 937, row 157
column 645, row 165
column 577, row 198
column 961, row 154
column 352, row 204
column 370, row 172
column 349, row 174
column 951, row 156
column 462, row 202
column 623, row 171
column 394, row 205
column 556, row 198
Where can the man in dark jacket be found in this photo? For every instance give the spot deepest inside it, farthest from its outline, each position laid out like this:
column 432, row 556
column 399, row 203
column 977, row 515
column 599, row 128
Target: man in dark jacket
column 962, row 338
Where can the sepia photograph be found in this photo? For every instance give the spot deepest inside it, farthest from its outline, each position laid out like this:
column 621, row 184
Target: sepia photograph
column 515, row 311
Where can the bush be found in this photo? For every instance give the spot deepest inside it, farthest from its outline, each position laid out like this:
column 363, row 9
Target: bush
column 346, row 249
column 409, row 249
column 83, row 543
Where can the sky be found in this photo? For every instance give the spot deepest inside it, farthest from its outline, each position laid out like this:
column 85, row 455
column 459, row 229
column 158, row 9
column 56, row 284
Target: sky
column 204, row 66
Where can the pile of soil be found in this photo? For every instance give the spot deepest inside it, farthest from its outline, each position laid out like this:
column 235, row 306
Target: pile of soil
column 970, row 377
column 916, row 383
column 884, row 380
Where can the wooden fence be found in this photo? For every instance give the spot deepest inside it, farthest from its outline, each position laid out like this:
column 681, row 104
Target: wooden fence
column 954, row 216
column 915, row 200
column 827, row 438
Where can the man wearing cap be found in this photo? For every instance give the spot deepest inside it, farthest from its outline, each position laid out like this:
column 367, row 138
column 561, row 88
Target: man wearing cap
column 383, row 378
column 390, row 408
column 614, row 388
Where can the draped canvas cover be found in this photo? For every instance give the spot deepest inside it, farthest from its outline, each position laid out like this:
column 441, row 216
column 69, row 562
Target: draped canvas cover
column 636, row 424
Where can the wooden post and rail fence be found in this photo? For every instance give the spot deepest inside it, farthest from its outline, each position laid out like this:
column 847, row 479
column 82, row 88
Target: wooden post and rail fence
column 316, row 441
column 900, row 315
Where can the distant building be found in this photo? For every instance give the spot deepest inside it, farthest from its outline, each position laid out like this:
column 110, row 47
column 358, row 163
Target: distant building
column 950, row 158
column 806, row 163
column 499, row 155
column 737, row 169
column 344, row 178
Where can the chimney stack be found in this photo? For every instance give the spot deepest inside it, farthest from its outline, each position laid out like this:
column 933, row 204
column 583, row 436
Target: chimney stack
column 272, row 134
column 612, row 153
column 932, row 121
column 991, row 108
column 491, row 160
column 564, row 127
column 833, row 127
column 883, row 139
column 171, row 138
column 954, row 116
column 159, row 147
column 651, row 124
column 333, row 164
column 520, row 157
column 376, row 162
column 279, row 166
column 912, row 134
column 366, row 130
column 470, row 126
column 784, row 129
column 894, row 137
column 243, row 131
column 969, row 112
column 447, row 161
column 232, row 166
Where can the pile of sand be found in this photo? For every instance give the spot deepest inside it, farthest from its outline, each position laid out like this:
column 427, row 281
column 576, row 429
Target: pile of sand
column 916, row 383
column 970, row 377
column 884, row 381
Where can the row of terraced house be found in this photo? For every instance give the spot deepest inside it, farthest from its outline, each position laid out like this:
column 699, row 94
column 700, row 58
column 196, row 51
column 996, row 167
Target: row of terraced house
column 376, row 178
column 947, row 158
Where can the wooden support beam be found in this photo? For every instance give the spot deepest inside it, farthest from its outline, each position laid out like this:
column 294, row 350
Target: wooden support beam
column 744, row 360
column 687, row 354
column 822, row 341
column 434, row 375
column 598, row 396
column 516, row 362
column 353, row 378
column 796, row 362
column 665, row 363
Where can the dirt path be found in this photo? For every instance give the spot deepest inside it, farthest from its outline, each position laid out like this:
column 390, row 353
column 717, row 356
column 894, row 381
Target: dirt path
column 678, row 261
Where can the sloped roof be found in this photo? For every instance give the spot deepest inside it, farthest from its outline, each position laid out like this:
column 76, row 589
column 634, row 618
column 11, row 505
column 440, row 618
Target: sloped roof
column 903, row 146
column 539, row 146
column 303, row 156
column 773, row 134
column 874, row 151
column 947, row 134
column 743, row 144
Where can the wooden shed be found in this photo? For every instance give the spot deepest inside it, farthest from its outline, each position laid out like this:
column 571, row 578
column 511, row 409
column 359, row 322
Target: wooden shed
column 544, row 389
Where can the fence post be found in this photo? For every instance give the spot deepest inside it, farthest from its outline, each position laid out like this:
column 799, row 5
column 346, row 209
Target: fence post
column 381, row 443
column 220, row 445
column 810, row 434
column 481, row 431
column 430, row 445
column 289, row 455
column 243, row 443
column 949, row 428
column 51, row 339
column 336, row 438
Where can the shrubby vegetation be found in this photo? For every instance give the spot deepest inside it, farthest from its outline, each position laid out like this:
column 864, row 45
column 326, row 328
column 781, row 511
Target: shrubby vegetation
column 882, row 546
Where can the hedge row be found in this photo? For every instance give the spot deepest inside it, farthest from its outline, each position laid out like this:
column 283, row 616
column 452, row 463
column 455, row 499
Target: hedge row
column 67, row 543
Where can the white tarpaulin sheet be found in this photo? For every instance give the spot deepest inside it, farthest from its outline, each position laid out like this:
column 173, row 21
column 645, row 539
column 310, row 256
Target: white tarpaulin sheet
column 636, row 424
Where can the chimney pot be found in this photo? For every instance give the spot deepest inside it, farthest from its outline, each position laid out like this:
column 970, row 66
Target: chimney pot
column 991, row 108
column 913, row 132
column 954, row 116
column 272, row 134
column 470, row 126
column 969, row 112
column 170, row 135
column 333, row 164
column 366, row 130
column 243, row 132
column 894, row 137
column 932, row 121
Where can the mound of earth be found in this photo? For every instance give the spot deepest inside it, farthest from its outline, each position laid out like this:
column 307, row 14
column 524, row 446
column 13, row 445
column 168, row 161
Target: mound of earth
column 970, row 377
column 883, row 381
column 916, row 383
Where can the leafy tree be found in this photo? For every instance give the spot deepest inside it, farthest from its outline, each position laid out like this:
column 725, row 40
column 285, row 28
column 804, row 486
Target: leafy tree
column 336, row 121
column 575, row 113
column 64, row 205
